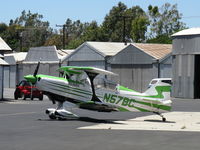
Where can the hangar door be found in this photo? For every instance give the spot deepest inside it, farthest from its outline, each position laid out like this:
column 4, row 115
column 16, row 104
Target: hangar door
column 197, row 77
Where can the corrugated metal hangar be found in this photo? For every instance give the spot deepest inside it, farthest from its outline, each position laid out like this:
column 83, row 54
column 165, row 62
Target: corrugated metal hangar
column 94, row 54
column 13, row 72
column 4, row 48
column 2, row 65
column 186, row 63
column 138, row 63
column 48, row 57
column 23, row 63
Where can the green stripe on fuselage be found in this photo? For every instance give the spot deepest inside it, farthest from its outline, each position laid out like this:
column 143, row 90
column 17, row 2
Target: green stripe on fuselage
column 129, row 102
column 70, row 88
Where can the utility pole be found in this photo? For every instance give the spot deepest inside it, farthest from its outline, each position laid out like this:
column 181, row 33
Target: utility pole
column 64, row 29
column 21, row 36
column 124, row 26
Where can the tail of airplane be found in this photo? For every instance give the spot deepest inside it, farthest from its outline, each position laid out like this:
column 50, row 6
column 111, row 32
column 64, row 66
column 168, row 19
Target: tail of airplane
column 159, row 90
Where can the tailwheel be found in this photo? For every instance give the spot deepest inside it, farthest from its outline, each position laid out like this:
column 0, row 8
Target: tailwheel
column 163, row 119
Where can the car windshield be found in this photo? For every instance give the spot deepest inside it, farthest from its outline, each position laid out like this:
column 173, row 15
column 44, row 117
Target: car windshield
column 25, row 83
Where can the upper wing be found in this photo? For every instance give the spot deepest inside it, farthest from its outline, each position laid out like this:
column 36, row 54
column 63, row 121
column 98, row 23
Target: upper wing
column 75, row 70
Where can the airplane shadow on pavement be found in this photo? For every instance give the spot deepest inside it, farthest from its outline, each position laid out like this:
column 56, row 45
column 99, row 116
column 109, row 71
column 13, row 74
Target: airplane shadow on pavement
column 159, row 121
column 87, row 119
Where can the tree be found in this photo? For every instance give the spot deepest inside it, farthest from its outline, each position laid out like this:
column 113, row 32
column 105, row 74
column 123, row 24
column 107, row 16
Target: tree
column 113, row 25
column 164, row 22
column 3, row 28
column 139, row 28
column 54, row 39
column 32, row 30
column 91, row 32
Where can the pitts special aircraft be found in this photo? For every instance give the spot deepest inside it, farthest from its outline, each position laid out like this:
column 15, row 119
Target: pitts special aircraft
column 92, row 88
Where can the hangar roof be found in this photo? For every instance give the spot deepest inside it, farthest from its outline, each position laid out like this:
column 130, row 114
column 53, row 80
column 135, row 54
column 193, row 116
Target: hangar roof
column 142, row 53
column 107, row 48
column 2, row 62
column 62, row 54
column 43, row 54
column 18, row 56
column 158, row 51
column 191, row 31
column 4, row 46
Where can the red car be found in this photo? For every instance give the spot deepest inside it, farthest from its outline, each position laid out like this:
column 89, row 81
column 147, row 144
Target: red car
column 25, row 90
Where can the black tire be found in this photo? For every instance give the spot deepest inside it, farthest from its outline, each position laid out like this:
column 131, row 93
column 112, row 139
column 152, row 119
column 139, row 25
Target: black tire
column 52, row 116
column 32, row 97
column 16, row 96
column 41, row 98
column 23, row 96
column 164, row 119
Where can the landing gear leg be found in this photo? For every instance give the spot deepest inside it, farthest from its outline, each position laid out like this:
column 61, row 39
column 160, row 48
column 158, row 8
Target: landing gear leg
column 163, row 118
column 60, row 113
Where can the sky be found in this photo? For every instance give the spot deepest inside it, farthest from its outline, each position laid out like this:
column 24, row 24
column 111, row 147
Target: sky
column 57, row 11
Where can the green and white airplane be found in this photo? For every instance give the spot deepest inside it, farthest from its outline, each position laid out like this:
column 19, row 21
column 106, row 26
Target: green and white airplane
column 93, row 89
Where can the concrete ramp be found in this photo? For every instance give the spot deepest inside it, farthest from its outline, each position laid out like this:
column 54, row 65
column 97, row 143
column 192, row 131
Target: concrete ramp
column 176, row 121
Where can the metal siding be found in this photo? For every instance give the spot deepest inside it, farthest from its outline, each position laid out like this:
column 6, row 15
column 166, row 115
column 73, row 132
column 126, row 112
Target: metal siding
column 1, row 82
column 136, row 77
column 44, row 69
column 98, row 64
column 174, row 76
column 19, row 73
column 47, row 69
column 168, row 60
column 47, row 53
column 165, row 70
column 53, row 70
column 27, row 69
column 184, row 48
column 6, row 76
column 183, row 76
column 191, row 77
column 85, row 53
column 12, row 76
column 131, row 55
column 186, row 45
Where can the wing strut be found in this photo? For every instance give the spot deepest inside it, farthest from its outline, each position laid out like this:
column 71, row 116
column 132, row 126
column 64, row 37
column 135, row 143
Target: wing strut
column 91, row 76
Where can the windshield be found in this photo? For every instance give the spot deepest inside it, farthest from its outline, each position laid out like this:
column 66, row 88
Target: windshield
column 105, row 82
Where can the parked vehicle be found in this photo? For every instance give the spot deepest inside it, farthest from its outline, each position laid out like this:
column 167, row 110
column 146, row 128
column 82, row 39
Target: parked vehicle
column 26, row 90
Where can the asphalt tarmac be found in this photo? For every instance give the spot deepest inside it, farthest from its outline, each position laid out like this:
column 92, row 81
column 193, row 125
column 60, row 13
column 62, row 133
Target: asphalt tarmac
column 25, row 126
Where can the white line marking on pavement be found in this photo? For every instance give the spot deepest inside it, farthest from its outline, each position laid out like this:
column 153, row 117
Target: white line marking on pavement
column 15, row 114
column 176, row 121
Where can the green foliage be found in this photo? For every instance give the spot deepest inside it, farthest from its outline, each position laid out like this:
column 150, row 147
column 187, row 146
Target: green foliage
column 139, row 28
column 156, row 26
column 75, row 43
column 164, row 39
column 113, row 23
column 28, row 28
column 164, row 22
column 54, row 39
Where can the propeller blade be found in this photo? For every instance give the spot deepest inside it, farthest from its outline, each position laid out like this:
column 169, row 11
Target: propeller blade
column 36, row 69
